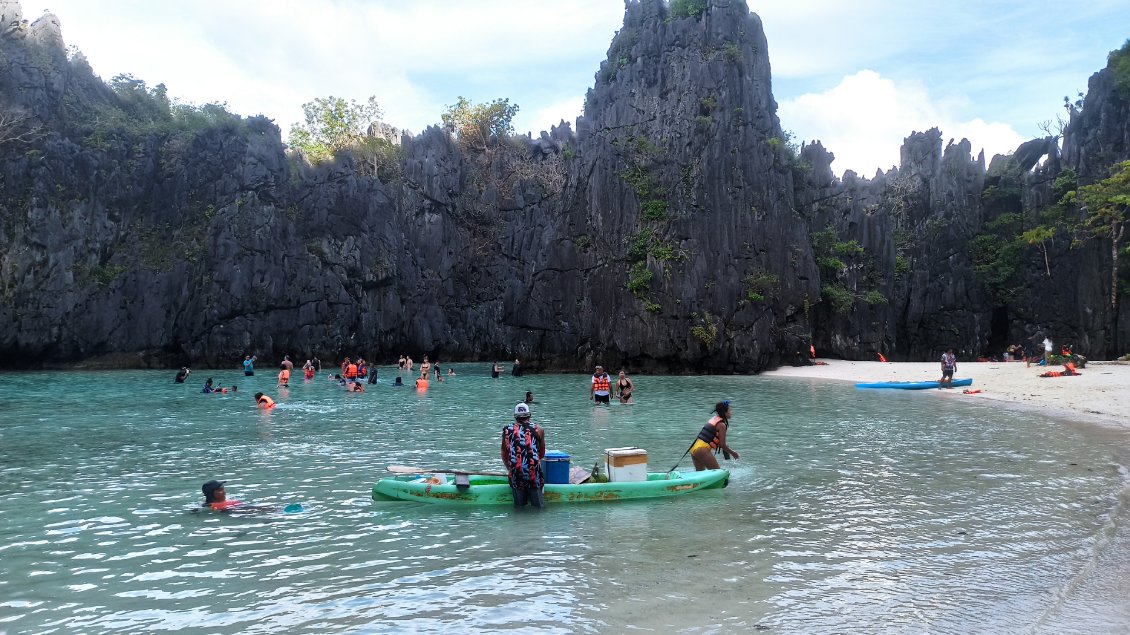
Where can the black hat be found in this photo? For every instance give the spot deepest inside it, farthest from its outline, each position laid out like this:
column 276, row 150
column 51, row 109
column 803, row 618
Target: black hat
column 210, row 488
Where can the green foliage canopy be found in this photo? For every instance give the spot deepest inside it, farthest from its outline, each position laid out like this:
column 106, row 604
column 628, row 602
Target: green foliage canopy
column 480, row 126
column 332, row 125
column 1119, row 62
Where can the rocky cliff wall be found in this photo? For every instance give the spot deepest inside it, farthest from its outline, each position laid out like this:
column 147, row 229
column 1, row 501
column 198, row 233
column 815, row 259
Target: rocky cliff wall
column 676, row 229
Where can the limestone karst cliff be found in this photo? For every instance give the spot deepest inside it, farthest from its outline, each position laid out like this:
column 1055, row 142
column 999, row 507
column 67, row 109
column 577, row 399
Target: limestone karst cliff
column 674, row 229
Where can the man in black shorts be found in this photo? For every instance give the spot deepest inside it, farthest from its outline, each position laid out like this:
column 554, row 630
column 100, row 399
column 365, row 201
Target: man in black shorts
column 601, row 387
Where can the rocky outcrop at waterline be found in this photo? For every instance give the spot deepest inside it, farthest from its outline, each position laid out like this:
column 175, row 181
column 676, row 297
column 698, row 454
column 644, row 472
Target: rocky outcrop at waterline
column 675, row 229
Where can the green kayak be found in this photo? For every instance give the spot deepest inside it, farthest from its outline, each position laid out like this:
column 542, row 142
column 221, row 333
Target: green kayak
column 495, row 490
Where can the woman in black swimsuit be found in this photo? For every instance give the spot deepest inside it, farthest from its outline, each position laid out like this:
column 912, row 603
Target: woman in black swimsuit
column 625, row 387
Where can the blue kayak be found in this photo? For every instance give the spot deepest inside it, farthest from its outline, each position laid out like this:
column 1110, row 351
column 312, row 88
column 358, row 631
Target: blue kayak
column 914, row 385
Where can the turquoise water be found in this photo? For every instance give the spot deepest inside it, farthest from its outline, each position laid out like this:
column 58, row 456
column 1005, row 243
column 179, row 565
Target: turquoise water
column 871, row 511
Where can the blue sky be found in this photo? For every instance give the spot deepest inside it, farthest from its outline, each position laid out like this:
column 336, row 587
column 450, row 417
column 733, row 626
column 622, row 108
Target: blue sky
column 858, row 76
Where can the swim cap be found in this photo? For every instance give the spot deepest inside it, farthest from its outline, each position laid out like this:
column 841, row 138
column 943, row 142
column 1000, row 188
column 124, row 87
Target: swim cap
column 210, row 488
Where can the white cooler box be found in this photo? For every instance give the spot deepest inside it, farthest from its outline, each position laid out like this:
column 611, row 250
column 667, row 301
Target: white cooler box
column 625, row 464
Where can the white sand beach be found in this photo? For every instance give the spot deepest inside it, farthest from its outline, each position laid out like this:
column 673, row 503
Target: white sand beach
column 1101, row 393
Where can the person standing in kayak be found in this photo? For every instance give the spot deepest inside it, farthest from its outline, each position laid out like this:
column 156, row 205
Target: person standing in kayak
column 523, row 448
column 712, row 439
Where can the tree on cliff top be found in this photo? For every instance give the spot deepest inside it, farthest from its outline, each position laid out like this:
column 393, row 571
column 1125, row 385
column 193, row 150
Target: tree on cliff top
column 332, row 125
column 1107, row 208
column 1119, row 63
column 478, row 127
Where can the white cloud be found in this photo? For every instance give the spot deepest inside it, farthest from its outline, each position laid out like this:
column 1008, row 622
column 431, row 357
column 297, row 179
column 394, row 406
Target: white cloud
column 864, row 119
column 551, row 115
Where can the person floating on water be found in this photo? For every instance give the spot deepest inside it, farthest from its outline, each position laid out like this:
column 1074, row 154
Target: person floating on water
column 182, row 374
column 216, row 498
column 398, row 383
column 712, row 439
column 625, row 388
column 249, row 365
column 263, row 401
column 601, row 386
column 356, row 387
column 949, row 367
column 522, row 450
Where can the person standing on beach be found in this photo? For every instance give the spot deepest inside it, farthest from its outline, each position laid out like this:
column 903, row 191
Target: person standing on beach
column 601, row 387
column 1047, row 351
column 712, row 440
column 949, row 367
column 249, row 365
column 522, row 450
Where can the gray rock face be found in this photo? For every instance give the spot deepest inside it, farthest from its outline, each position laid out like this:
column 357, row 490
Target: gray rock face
column 675, row 230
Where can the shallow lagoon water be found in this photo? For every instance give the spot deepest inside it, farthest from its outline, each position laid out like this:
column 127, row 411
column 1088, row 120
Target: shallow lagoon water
column 872, row 512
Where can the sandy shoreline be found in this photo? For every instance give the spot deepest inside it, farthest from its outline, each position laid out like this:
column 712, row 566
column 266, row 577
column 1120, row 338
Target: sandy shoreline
column 1101, row 394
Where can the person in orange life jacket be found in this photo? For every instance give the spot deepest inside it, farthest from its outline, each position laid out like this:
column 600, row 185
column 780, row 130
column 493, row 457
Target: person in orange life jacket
column 601, row 387
column 284, row 376
column 522, row 450
column 712, row 439
column 215, row 498
column 263, row 401
column 308, row 369
column 362, row 369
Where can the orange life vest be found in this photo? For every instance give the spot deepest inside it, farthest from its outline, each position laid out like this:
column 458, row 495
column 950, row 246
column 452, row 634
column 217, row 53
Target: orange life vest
column 600, row 383
column 265, row 402
column 351, row 371
column 222, row 505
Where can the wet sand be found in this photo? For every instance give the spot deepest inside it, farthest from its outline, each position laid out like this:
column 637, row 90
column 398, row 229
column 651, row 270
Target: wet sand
column 1100, row 394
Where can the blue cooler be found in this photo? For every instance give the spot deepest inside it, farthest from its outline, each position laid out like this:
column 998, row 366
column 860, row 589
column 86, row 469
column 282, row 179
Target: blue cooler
column 556, row 468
